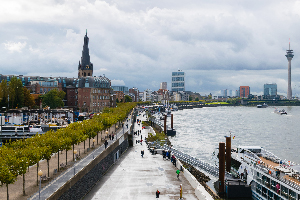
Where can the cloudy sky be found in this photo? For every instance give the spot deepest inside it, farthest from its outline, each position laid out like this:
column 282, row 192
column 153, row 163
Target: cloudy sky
column 138, row 43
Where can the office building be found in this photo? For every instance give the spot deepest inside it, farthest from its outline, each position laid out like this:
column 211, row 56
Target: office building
column 244, row 91
column 178, row 81
column 270, row 89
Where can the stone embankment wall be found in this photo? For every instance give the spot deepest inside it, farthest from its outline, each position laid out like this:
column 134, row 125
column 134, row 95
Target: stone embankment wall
column 202, row 191
column 78, row 186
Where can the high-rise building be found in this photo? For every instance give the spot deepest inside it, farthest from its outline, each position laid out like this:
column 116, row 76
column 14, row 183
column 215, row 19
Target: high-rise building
column 289, row 55
column 85, row 67
column 163, row 85
column 270, row 89
column 178, row 81
column 244, row 91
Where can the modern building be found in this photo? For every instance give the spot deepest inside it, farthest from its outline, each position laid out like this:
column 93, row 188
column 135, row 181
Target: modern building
column 148, row 95
column 244, row 91
column 163, row 86
column 124, row 89
column 270, row 90
column 289, row 55
column 178, row 81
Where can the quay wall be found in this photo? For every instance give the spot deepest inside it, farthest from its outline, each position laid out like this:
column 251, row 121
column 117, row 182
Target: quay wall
column 200, row 191
column 78, row 186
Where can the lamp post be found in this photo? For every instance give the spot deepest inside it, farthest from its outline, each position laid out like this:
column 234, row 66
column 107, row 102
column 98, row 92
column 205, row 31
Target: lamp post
column 106, row 133
column 40, row 173
column 94, row 142
column 75, row 152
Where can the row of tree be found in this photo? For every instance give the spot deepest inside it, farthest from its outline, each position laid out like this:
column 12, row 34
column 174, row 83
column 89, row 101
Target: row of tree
column 17, row 156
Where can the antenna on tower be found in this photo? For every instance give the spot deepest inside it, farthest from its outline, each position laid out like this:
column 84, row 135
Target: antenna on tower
column 85, row 31
column 289, row 43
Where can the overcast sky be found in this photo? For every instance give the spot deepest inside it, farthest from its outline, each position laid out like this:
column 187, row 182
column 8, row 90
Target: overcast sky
column 138, row 43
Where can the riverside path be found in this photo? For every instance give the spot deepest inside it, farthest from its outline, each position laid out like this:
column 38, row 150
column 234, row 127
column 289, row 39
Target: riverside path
column 54, row 185
column 137, row 178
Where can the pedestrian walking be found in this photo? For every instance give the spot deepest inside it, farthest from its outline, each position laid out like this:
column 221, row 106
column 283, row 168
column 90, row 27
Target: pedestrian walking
column 178, row 172
column 142, row 153
column 113, row 136
column 141, row 137
column 109, row 136
column 157, row 194
column 105, row 144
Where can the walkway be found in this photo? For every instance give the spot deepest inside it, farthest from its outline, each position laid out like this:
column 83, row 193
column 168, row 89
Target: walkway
column 63, row 178
column 134, row 177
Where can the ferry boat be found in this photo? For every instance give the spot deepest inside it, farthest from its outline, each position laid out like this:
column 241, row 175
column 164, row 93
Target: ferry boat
column 268, row 175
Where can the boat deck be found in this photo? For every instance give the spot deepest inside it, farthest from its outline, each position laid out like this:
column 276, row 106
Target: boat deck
column 286, row 173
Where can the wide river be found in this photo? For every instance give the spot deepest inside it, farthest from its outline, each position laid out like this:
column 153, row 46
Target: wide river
column 200, row 130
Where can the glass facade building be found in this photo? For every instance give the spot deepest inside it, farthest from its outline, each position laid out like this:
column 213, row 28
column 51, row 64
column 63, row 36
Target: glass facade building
column 270, row 89
column 178, row 81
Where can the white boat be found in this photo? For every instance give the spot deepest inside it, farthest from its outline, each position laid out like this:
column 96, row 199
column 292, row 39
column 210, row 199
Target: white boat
column 268, row 175
column 262, row 106
column 280, row 112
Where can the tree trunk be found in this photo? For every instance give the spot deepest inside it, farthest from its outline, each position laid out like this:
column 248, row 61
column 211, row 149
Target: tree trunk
column 58, row 161
column 37, row 174
column 66, row 157
column 73, row 153
column 24, row 185
column 48, row 167
column 84, row 145
column 97, row 137
column 7, row 195
column 89, row 142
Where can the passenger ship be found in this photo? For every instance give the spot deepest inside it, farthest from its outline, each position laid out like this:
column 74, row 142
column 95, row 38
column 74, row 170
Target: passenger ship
column 269, row 176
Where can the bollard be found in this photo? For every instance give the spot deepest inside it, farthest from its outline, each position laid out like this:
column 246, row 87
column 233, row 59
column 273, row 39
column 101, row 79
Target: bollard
column 181, row 191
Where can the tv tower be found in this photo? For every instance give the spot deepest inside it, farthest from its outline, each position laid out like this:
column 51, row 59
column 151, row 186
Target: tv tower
column 289, row 55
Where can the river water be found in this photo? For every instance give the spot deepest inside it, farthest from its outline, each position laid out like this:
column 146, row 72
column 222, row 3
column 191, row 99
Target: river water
column 199, row 130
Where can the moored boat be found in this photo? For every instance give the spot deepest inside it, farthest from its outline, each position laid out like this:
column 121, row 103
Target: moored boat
column 268, row 175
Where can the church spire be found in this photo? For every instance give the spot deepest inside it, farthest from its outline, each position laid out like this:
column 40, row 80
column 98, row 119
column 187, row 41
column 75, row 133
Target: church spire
column 85, row 67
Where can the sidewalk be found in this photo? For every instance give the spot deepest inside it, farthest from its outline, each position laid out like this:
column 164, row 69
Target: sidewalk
column 54, row 185
column 134, row 177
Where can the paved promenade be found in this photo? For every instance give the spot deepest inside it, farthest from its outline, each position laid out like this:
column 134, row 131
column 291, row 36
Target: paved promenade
column 54, row 185
column 134, row 177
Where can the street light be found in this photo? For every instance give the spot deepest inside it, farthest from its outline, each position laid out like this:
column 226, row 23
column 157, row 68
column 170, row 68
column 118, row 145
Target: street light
column 106, row 134
column 40, row 173
column 94, row 142
column 75, row 152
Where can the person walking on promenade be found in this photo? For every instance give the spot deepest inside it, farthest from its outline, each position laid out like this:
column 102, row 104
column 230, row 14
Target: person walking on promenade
column 141, row 142
column 142, row 153
column 109, row 136
column 178, row 172
column 167, row 154
column 105, row 144
column 113, row 136
column 157, row 194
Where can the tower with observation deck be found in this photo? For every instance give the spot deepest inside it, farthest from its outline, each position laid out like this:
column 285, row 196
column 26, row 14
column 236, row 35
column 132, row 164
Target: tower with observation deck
column 289, row 55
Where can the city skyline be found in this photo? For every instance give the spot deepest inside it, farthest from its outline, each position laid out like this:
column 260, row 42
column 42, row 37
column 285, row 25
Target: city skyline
column 138, row 44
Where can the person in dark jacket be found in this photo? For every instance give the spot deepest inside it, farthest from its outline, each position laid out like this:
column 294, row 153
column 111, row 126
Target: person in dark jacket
column 157, row 194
